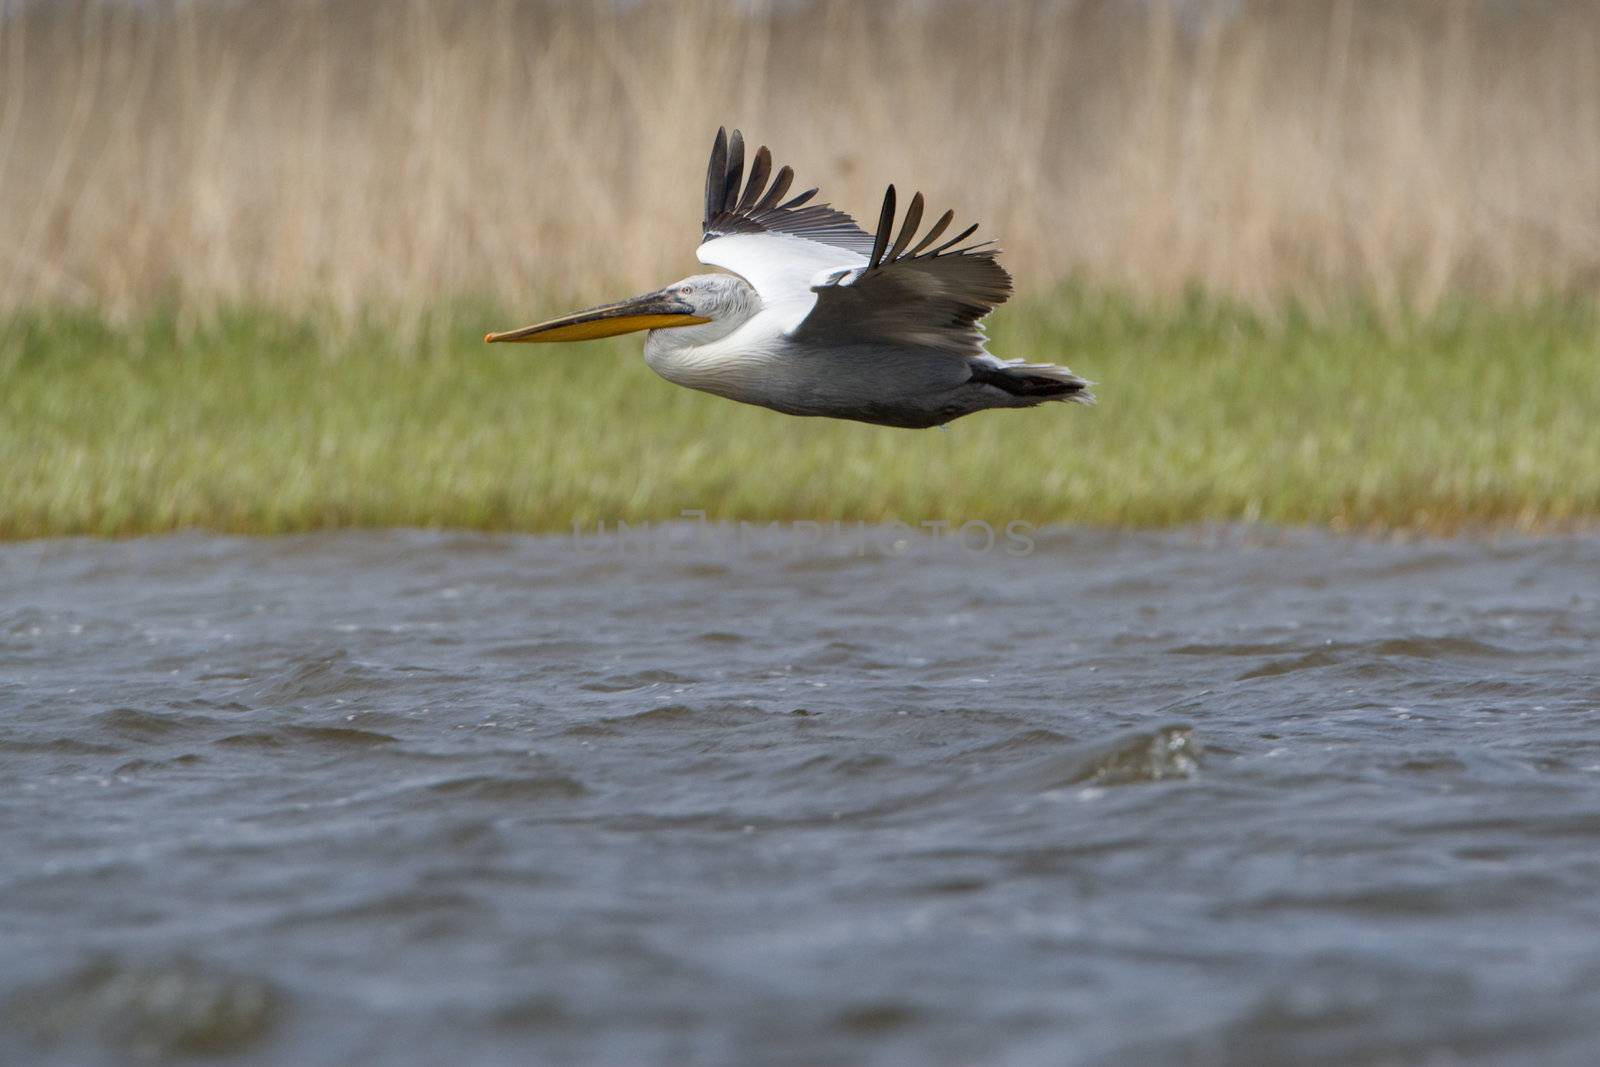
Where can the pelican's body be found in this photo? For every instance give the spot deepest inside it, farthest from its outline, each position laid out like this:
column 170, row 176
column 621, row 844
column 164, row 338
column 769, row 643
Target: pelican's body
column 821, row 318
column 752, row 358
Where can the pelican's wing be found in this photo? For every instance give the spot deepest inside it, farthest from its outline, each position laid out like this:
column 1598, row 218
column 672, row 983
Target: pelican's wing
column 923, row 296
column 777, row 245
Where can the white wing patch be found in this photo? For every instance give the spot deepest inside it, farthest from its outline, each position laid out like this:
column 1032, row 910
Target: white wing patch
column 780, row 267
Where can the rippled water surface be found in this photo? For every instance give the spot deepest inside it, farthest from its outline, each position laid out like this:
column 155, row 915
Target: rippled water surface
column 1205, row 797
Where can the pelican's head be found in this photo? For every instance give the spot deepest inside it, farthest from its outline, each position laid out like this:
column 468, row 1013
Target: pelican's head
column 720, row 299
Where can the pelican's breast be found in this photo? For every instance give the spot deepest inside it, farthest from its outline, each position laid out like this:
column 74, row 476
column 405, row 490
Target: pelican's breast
column 746, row 364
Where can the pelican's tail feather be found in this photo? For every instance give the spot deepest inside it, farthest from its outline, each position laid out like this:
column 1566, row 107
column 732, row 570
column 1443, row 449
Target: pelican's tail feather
column 1033, row 383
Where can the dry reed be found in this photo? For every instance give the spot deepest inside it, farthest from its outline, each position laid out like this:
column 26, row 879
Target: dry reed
column 339, row 153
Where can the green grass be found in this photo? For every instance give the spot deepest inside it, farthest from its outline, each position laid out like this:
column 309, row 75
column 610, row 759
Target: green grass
column 255, row 421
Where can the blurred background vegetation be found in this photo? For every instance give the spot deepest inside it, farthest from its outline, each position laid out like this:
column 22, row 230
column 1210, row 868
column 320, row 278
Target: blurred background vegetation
column 1331, row 262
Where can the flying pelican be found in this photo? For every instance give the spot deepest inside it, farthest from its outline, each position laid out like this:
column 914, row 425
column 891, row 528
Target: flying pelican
column 819, row 317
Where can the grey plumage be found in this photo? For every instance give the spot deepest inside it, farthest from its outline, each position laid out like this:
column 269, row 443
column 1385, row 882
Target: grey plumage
column 933, row 299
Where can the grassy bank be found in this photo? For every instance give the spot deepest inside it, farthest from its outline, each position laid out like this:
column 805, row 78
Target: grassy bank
column 261, row 422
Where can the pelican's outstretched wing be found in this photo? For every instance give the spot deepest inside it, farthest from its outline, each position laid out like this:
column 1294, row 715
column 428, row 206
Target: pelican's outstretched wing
column 779, row 246
column 925, row 296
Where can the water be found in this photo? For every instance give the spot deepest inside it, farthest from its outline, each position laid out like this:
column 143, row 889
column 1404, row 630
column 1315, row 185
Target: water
column 1204, row 797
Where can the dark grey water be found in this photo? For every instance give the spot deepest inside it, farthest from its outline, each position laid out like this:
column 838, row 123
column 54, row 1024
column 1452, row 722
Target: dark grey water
column 1220, row 797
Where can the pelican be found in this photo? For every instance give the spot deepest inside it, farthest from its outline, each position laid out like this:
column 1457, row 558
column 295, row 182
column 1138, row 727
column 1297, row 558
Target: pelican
column 819, row 317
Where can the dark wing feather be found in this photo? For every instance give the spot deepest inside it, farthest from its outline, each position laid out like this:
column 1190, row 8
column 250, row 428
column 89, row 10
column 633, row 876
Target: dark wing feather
column 780, row 186
column 932, row 299
column 735, row 172
column 758, row 209
column 759, row 171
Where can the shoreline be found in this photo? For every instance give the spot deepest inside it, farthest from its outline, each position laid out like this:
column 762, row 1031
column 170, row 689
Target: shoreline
column 260, row 421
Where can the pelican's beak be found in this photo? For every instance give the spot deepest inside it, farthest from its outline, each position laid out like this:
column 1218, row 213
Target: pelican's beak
column 653, row 311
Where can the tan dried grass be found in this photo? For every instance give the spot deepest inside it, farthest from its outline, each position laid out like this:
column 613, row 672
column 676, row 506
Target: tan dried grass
column 330, row 152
